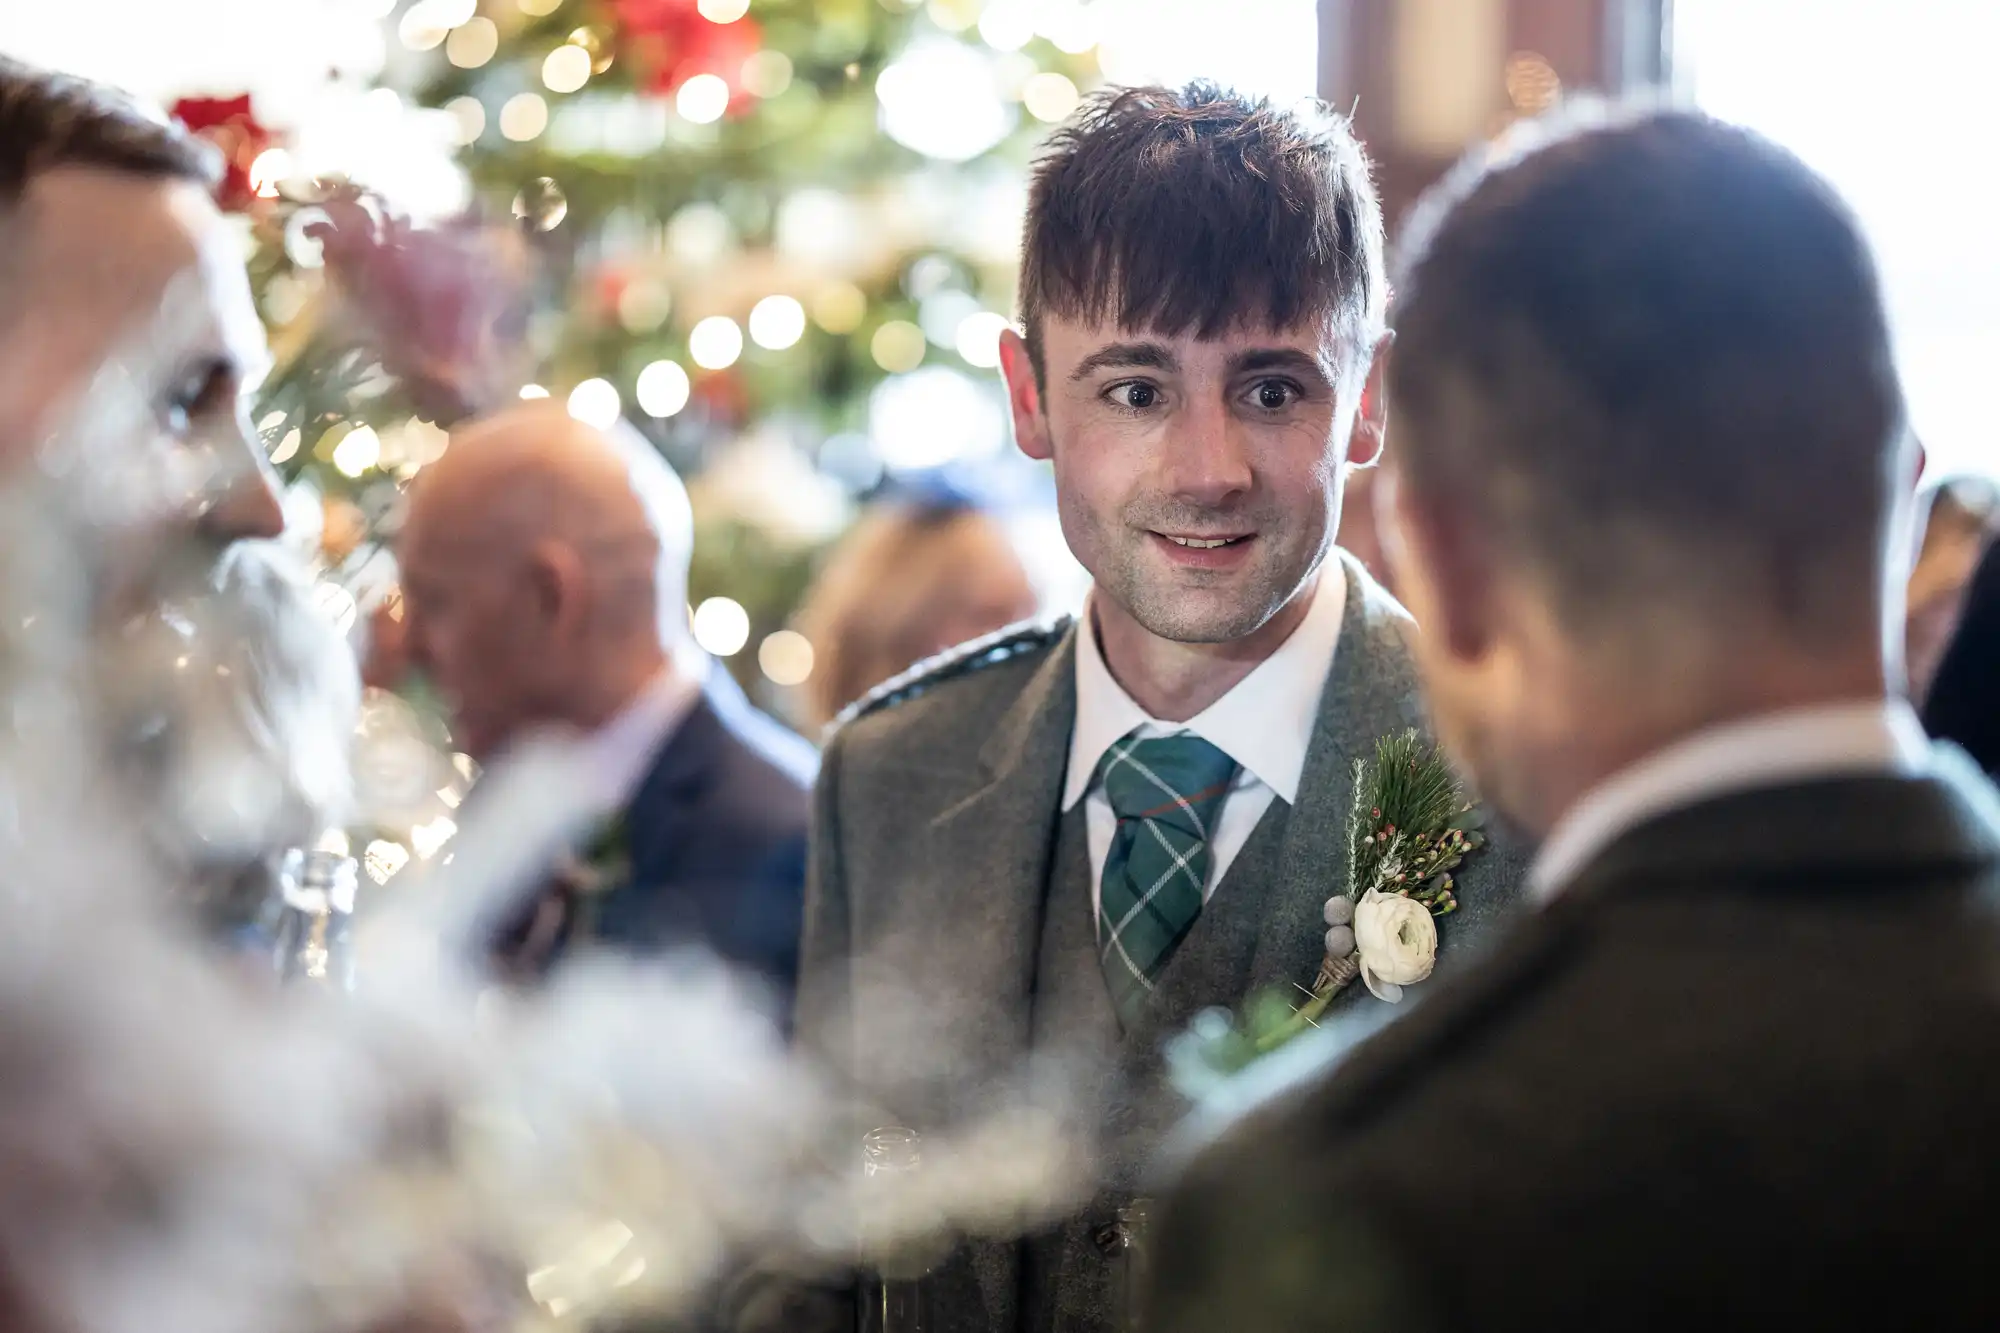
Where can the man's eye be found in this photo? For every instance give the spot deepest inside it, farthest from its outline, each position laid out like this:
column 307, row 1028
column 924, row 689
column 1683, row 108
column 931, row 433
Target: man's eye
column 1136, row 396
column 1274, row 395
column 192, row 397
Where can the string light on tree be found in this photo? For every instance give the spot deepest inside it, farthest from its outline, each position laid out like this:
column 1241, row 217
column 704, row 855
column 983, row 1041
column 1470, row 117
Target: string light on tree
column 524, row 117
column 1050, row 97
column 979, row 339
column 723, row 11
column 533, row 391
column 715, row 343
column 777, row 322
column 898, row 346
column 721, row 626
column 703, row 99
column 1069, row 26
column 595, row 403
column 767, row 74
column 953, row 15
column 600, row 50
column 840, row 307
column 938, row 99
column 644, row 305
column 566, row 69
column 786, row 657
column 472, row 44
column 663, row 389
column 420, row 31
column 1007, row 25
column 469, row 115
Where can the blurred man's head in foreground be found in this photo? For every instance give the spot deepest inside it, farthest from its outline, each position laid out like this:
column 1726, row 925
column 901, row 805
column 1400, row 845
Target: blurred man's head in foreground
column 1651, row 462
column 129, row 472
column 128, row 338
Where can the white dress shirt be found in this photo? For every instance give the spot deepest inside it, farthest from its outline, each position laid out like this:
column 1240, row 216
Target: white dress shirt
column 1879, row 736
column 1265, row 724
column 618, row 755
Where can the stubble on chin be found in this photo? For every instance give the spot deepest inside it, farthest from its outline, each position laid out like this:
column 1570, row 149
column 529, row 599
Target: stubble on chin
column 1198, row 606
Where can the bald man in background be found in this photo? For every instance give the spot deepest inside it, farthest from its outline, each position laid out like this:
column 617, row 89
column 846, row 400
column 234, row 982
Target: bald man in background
column 544, row 575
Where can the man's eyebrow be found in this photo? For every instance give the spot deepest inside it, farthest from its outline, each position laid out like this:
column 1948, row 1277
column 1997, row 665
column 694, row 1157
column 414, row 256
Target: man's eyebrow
column 1279, row 358
column 1155, row 356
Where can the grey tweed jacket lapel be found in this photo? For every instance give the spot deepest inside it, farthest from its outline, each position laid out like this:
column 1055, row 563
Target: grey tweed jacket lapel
column 1003, row 832
column 1371, row 693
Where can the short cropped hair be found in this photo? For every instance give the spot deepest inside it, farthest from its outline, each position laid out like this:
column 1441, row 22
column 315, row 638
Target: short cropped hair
column 1647, row 351
column 50, row 120
column 1199, row 209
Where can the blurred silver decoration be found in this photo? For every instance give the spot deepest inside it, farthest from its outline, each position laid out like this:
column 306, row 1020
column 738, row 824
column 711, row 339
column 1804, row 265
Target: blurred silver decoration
column 894, row 1296
column 1124, row 1241
column 313, row 935
column 541, row 204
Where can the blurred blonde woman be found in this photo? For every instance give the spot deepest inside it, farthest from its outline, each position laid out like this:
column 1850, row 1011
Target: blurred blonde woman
column 912, row 578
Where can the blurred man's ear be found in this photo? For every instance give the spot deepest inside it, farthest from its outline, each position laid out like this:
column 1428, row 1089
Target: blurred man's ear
column 1443, row 568
column 1024, row 398
column 557, row 600
column 1371, row 420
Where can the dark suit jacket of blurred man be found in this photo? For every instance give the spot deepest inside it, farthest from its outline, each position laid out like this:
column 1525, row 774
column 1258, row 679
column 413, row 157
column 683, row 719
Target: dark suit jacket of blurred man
column 1744, row 1071
column 715, row 831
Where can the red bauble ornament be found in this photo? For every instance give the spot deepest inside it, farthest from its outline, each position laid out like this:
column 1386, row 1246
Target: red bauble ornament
column 232, row 126
column 669, row 42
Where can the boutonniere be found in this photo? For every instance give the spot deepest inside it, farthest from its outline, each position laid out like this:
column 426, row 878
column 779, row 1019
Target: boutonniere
column 1411, row 826
column 604, row 863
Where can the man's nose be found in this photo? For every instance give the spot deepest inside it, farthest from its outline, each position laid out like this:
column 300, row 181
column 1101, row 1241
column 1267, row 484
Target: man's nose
column 1206, row 459
column 250, row 507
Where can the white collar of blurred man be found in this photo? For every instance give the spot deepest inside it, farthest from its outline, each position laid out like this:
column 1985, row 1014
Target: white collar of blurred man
column 618, row 755
column 1265, row 722
column 1858, row 739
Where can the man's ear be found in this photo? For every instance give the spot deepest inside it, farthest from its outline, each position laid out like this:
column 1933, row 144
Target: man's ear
column 557, row 598
column 1024, row 398
column 1442, row 566
column 1371, row 420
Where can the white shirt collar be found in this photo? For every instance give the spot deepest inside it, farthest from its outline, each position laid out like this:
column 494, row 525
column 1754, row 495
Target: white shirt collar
column 618, row 754
column 1880, row 736
column 1265, row 723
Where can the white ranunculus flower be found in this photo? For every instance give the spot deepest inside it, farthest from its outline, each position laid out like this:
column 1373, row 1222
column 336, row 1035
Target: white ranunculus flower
column 1397, row 941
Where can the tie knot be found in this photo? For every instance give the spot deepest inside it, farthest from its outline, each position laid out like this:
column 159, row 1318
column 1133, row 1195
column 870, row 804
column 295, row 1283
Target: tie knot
column 1177, row 780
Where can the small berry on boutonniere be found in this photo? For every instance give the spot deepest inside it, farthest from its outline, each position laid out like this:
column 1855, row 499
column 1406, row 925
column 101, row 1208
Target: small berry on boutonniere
column 1411, row 826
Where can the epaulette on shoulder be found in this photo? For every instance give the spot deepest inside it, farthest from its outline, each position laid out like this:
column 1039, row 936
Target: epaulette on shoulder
column 966, row 659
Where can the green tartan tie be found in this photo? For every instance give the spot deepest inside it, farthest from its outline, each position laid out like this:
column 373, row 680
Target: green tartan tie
column 1166, row 792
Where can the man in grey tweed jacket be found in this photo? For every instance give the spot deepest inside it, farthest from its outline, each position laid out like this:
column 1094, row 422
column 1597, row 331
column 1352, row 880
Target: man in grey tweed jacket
column 1046, row 853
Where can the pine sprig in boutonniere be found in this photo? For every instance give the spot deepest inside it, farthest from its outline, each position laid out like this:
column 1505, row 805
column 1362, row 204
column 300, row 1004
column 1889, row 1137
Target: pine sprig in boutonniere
column 604, row 862
column 1411, row 826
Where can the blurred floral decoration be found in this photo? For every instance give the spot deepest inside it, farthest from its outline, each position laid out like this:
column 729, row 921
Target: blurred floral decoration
column 778, row 237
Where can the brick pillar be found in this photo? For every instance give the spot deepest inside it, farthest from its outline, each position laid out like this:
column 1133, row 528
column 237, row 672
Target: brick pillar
column 1427, row 78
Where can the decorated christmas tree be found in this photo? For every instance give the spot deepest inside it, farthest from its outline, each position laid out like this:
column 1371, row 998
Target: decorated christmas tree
column 777, row 237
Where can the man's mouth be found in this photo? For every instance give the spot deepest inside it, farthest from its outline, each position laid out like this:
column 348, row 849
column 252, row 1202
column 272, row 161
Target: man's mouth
column 1203, row 543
